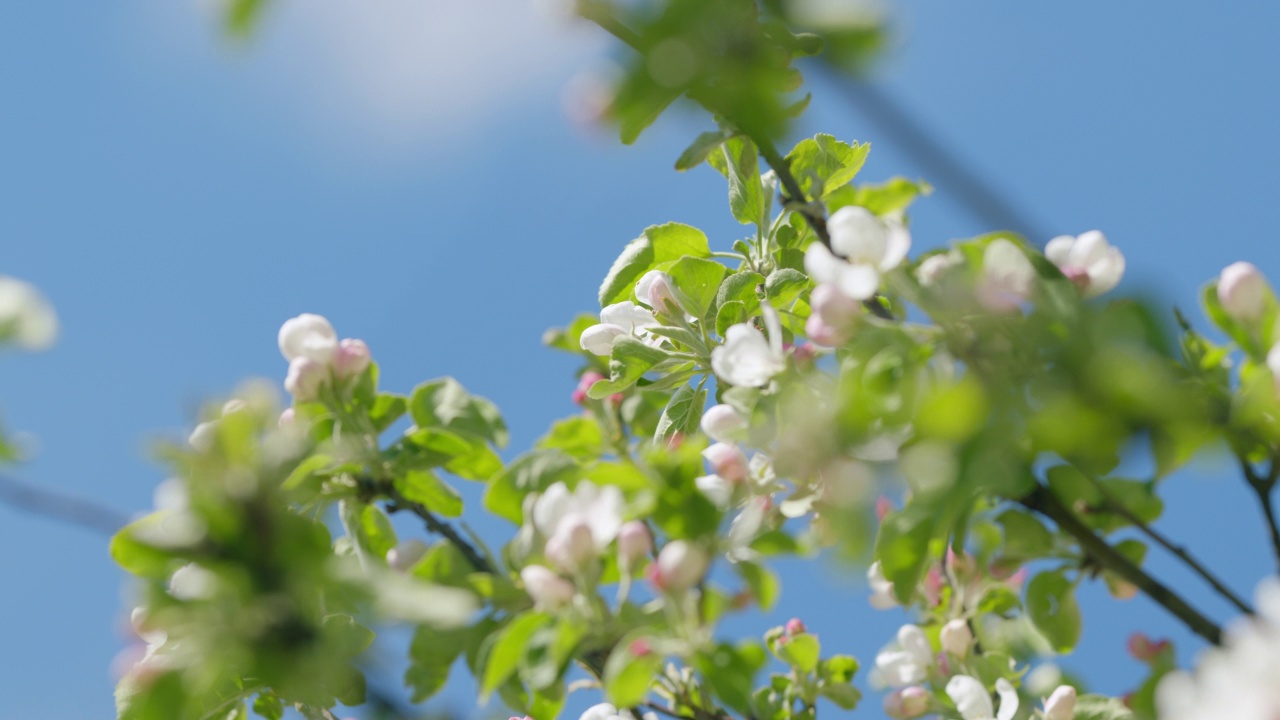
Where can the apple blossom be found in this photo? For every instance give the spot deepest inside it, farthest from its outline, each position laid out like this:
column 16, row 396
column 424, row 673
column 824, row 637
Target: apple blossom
column 795, row 626
column 351, row 359
column 723, row 423
column 589, row 378
column 559, row 511
column 747, row 358
column 956, row 637
column 287, row 418
column 905, row 662
column 974, row 702
column 833, row 316
column 932, row 268
column 25, row 315
column 655, row 290
column 634, row 542
column 192, row 582
column 607, row 711
column 882, row 597
column 727, row 460
column 1007, row 277
column 308, row 335
column 1088, row 260
column 907, row 703
column 305, row 378
column 406, row 554
column 716, row 489
column 616, row 320
column 1243, row 291
column 863, row 247
column 548, row 590
column 681, row 565
column 572, row 546
column 1061, row 705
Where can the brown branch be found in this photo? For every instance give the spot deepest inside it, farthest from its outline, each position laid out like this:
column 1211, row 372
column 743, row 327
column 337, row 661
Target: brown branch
column 1043, row 501
column 61, row 507
column 397, row 502
column 1263, row 487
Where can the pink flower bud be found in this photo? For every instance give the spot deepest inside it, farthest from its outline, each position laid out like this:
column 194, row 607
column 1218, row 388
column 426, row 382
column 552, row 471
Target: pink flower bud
column 1061, row 705
column 1242, row 291
column 795, row 626
column 907, row 703
column 639, row 647
column 956, row 637
column 307, row 335
column 833, row 318
column 548, row 590
column 286, row 418
column 655, row 290
column 1144, row 648
column 723, row 423
column 589, row 378
column 572, row 546
column 727, row 461
column 351, row 359
column 680, row 566
column 406, row 554
column 634, row 543
column 884, row 506
column 305, row 378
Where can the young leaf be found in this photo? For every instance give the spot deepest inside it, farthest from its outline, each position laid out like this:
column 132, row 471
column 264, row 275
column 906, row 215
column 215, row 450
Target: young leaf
column 682, row 413
column 423, row 487
column 697, row 282
column 630, row 360
column 702, row 146
column 822, row 164
column 1051, row 604
column 658, row 244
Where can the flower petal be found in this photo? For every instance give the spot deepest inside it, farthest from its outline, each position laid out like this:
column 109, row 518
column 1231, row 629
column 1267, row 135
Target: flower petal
column 1059, row 250
column 598, row 339
column 898, row 243
column 970, row 697
column 628, row 315
column 858, row 235
column 1105, row 274
column 1008, row 700
column 858, row 281
column 821, row 265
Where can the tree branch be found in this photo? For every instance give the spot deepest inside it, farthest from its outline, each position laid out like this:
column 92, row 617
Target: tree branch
column 1115, row 506
column 1263, row 487
column 61, row 507
column 1043, row 501
column 398, row 502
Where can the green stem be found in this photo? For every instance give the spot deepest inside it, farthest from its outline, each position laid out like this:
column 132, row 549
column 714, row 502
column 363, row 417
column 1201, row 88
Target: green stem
column 1262, row 488
column 1043, row 501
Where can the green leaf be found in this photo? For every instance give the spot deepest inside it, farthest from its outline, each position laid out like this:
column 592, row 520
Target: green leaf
column 376, row 534
column 1097, row 707
column 532, row 472
column 799, row 651
column 465, row 456
column 1024, row 535
column 132, row 547
column 268, row 706
column 822, row 164
column 902, row 547
column 509, row 648
column 445, row 404
column 746, row 193
column 730, row 314
column 242, row 15
column 697, row 281
column 578, row 436
column 387, row 408
column 741, row 287
column 763, row 583
column 658, row 244
column 682, row 413
column 1051, row 605
column 431, row 655
column 630, row 360
column 846, row 697
column 627, row 677
column 423, row 487
column 887, row 198
column 704, row 145
column 730, row 671
column 785, row 285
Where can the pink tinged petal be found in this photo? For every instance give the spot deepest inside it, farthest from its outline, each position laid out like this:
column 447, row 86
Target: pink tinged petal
column 598, row 339
column 727, row 460
column 859, row 282
column 1089, row 248
column 1059, row 250
column 897, row 246
column 858, row 235
column 634, row 543
column 307, row 335
column 970, row 697
column 745, row 358
column 572, row 547
column 723, row 423
column 1242, row 291
column 1105, row 274
column 833, row 306
column 351, row 359
column 1061, row 705
column 305, row 378
column 548, row 590
column 1008, row 700
column 628, row 315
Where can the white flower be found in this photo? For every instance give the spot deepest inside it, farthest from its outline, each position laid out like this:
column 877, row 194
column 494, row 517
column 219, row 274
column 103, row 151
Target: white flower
column 1088, row 260
column 747, row 358
column 548, row 590
column 192, row 582
column 306, row 376
column 606, row 711
column 655, row 290
column 956, row 637
column 906, row 662
column 1007, row 276
column 974, row 702
column 864, row 247
column 25, row 315
column 616, row 320
column 681, row 565
column 1240, row 679
column 406, row 554
column 1273, row 362
column 932, row 268
column 1242, row 291
column 308, row 335
column 718, row 490
column 881, row 589
column 1061, row 705
column 572, row 547
column 203, row 435
column 634, row 543
column 723, row 423
column 727, row 460
column 351, row 359
column 559, row 510
column 833, row 316
column 907, row 703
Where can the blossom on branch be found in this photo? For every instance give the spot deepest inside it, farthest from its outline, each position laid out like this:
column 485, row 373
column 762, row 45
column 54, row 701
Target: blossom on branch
column 1088, row 260
column 863, row 247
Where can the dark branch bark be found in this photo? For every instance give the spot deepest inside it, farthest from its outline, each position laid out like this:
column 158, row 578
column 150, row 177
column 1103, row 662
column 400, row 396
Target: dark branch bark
column 60, row 507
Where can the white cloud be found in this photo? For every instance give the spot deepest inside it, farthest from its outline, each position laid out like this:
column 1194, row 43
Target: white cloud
column 398, row 74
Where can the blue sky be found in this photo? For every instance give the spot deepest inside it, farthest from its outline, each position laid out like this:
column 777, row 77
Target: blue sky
column 400, row 166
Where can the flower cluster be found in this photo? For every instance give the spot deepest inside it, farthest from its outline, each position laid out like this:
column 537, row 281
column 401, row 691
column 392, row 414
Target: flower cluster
column 316, row 358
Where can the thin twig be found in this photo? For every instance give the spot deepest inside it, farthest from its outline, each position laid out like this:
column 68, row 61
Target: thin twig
column 1046, row 503
column 1263, row 487
column 664, row 710
column 397, row 502
column 61, row 507
column 1114, row 505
